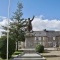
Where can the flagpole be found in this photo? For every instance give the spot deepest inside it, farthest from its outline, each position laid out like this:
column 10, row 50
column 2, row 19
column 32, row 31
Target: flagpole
column 8, row 27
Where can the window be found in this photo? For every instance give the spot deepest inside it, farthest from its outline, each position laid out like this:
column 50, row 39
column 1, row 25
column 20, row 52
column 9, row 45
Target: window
column 40, row 42
column 43, row 38
column 53, row 38
column 36, row 38
column 39, row 38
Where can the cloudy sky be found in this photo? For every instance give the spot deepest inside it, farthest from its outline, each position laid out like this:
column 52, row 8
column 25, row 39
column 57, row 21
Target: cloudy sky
column 39, row 23
column 47, row 13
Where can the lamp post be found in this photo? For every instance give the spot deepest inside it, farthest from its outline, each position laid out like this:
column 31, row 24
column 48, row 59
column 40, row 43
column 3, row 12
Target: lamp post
column 8, row 27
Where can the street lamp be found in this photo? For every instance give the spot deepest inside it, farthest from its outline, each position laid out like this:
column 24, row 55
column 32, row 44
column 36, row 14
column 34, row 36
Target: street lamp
column 8, row 28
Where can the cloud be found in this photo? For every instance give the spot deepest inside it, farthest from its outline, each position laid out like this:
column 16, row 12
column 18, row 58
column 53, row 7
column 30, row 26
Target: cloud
column 39, row 24
column 3, row 22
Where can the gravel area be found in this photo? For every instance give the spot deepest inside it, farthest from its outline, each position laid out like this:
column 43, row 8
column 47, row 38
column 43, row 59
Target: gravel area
column 52, row 58
column 52, row 55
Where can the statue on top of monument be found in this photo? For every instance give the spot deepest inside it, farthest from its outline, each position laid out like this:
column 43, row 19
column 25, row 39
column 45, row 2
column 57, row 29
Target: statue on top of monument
column 29, row 24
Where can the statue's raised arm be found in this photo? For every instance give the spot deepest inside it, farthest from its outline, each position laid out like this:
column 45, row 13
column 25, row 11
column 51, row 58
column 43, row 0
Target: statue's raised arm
column 32, row 18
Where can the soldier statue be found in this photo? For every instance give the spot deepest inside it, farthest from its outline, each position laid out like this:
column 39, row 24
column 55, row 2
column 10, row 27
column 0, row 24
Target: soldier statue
column 29, row 24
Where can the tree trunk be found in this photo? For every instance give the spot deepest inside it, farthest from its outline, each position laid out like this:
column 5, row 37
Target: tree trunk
column 17, row 45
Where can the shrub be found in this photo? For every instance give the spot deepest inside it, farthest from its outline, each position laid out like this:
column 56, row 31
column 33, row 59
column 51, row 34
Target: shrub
column 39, row 48
column 3, row 47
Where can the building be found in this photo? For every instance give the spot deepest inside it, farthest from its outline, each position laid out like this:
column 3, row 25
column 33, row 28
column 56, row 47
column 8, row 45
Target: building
column 45, row 38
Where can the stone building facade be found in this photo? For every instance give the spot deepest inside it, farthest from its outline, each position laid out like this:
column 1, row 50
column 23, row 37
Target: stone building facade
column 48, row 38
column 45, row 38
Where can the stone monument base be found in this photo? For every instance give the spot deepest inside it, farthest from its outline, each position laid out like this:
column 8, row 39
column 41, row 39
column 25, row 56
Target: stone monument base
column 29, row 40
column 29, row 52
column 30, row 56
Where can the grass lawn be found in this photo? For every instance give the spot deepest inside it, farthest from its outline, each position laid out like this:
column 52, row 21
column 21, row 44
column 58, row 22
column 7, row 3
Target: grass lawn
column 3, row 59
column 17, row 53
column 14, row 54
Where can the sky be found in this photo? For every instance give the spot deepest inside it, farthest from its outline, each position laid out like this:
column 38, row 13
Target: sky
column 46, row 12
column 48, row 8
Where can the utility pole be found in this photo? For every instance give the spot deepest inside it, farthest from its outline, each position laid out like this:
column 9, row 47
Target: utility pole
column 8, row 27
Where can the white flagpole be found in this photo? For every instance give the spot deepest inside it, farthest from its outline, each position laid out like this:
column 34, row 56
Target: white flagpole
column 8, row 27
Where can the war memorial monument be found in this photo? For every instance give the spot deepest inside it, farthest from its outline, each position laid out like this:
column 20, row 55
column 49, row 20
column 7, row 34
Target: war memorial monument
column 29, row 52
